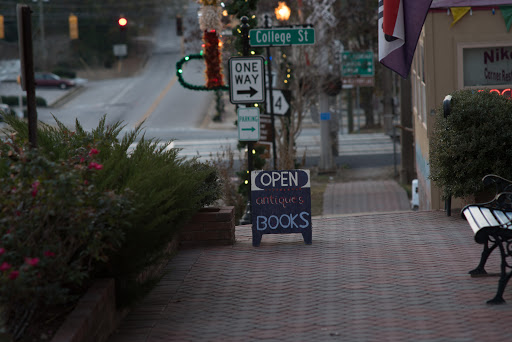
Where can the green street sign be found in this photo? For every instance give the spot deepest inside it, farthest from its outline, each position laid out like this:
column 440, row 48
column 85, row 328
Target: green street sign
column 357, row 64
column 282, row 36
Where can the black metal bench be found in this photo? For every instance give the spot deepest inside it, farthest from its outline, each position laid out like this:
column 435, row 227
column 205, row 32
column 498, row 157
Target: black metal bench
column 491, row 223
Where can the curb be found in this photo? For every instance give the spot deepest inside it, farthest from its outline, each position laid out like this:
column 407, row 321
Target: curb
column 75, row 91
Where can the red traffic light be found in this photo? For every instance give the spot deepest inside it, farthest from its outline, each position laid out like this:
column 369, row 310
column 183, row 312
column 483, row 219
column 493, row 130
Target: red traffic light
column 122, row 21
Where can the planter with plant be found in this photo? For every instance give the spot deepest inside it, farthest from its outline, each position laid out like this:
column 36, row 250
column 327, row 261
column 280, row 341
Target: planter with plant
column 88, row 204
column 473, row 141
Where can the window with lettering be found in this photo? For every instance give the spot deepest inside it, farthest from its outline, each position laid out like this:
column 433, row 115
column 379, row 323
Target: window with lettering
column 487, row 66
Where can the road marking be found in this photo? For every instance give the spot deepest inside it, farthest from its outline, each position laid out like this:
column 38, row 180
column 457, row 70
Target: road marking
column 121, row 94
column 156, row 102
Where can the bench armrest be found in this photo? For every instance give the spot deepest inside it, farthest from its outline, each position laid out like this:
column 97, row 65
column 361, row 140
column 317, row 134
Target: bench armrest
column 503, row 201
column 502, row 184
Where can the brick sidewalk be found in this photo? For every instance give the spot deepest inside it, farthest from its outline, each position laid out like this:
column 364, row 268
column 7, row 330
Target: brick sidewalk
column 381, row 277
column 364, row 196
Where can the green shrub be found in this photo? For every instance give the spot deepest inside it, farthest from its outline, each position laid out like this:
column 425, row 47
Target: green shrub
column 475, row 140
column 56, row 229
column 14, row 101
column 167, row 189
column 65, row 73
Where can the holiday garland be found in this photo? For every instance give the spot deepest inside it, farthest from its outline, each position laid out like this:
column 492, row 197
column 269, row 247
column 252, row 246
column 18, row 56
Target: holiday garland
column 179, row 74
column 210, row 23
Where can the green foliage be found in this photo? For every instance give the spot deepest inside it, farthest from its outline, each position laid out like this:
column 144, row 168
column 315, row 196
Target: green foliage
column 475, row 140
column 65, row 73
column 167, row 190
column 14, row 101
column 239, row 9
column 258, row 164
column 56, row 228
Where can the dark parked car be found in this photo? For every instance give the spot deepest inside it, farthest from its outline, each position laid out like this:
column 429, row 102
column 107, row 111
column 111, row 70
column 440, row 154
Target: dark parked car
column 46, row 79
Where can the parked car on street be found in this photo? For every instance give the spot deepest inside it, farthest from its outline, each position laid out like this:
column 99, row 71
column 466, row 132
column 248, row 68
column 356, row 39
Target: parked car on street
column 46, row 79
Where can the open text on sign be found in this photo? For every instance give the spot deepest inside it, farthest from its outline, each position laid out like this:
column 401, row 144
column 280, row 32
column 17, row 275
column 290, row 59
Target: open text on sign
column 281, row 203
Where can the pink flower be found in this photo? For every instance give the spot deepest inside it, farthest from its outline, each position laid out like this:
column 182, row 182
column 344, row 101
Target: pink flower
column 82, row 160
column 14, row 275
column 32, row 261
column 5, row 266
column 35, row 186
column 2, row 250
column 93, row 151
column 94, row 165
column 86, row 182
column 49, row 254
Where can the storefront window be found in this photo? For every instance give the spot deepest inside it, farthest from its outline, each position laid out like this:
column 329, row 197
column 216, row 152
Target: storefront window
column 487, row 66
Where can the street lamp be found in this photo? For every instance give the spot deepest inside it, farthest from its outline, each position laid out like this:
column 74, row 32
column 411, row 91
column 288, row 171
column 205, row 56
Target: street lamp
column 282, row 11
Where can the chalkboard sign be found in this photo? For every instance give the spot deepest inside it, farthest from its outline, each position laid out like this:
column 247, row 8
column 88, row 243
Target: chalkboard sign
column 280, row 204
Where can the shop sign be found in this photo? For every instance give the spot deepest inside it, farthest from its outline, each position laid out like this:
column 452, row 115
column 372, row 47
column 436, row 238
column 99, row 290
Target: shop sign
column 280, row 203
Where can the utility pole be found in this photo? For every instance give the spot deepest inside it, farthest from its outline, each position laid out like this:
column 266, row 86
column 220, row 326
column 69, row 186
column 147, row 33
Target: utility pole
column 24, row 14
column 247, row 218
column 44, row 52
column 326, row 155
column 271, row 98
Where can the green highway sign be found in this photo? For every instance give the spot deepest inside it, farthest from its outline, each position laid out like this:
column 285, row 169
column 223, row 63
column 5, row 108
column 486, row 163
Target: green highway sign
column 281, row 36
column 357, row 64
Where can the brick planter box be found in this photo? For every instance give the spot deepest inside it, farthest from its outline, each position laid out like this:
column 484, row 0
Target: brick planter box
column 210, row 227
column 96, row 316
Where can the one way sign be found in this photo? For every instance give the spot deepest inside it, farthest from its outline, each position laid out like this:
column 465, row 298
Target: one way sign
column 247, row 84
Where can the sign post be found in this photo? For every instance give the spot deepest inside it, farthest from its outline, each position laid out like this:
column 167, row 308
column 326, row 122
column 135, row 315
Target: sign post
column 281, row 204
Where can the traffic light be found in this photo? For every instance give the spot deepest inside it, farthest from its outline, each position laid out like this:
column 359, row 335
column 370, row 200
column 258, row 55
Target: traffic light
column 2, row 31
column 73, row 27
column 122, row 22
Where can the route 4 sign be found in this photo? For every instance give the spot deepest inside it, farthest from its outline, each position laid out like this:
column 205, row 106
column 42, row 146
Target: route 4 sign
column 246, row 76
column 281, row 101
column 249, row 124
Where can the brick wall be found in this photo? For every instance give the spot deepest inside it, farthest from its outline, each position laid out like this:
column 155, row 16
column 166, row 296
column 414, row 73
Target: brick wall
column 94, row 317
column 210, row 227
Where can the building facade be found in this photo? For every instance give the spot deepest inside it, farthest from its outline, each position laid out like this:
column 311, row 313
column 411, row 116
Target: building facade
column 474, row 52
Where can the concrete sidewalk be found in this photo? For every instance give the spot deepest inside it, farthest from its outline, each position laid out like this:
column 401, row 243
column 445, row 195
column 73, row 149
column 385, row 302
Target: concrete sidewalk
column 380, row 277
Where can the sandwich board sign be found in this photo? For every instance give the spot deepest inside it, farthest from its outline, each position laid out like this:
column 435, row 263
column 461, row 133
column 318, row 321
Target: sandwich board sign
column 281, row 204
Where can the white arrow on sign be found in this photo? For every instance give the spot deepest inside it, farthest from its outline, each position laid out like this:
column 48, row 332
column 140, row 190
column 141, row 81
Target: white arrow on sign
column 281, row 105
column 249, row 124
column 246, row 79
